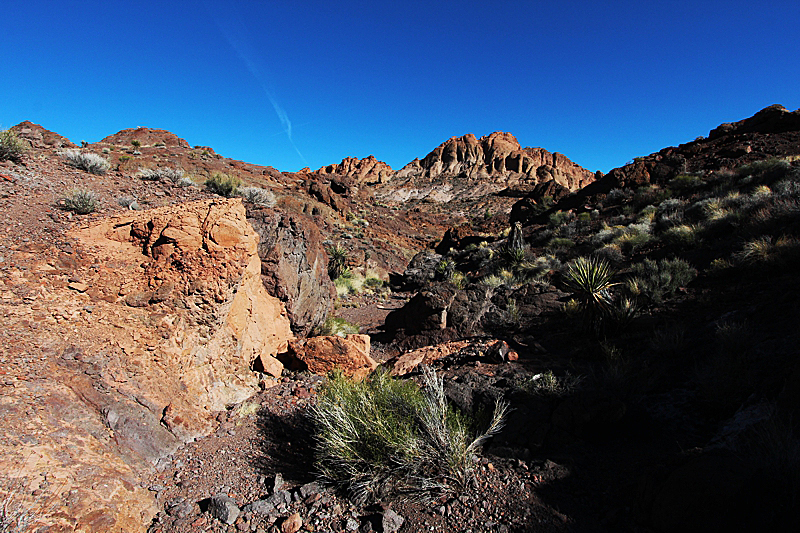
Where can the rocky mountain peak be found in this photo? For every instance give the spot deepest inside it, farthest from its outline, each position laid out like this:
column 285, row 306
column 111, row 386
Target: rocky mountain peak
column 147, row 136
column 368, row 171
column 40, row 137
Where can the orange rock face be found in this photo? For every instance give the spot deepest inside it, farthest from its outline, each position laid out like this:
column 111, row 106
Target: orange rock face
column 323, row 354
column 152, row 330
column 366, row 171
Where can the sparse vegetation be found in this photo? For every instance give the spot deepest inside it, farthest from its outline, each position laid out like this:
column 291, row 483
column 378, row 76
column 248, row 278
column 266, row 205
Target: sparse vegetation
column 335, row 325
column 655, row 280
column 87, row 161
column 12, row 148
column 223, row 184
column 386, row 437
column 161, row 174
column 257, row 196
column 589, row 279
column 81, row 201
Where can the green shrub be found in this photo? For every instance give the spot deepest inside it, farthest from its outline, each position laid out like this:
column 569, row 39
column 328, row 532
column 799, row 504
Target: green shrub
column 223, row 184
column 12, row 148
column 684, row 182
column 385, row 437
column 81, row 201
column 87, row 161
column 257, row 196
column 335, row 325
column 560, row 243
column 657, row 280
column 136, row 143
column 548, row 384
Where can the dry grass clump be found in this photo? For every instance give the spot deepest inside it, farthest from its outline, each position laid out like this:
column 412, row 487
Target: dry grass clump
column 386, row 437
column 223, row 184
column 12, row 148
column 161, row 174
column 81, row 201
column 87, row 161
column 257, row 196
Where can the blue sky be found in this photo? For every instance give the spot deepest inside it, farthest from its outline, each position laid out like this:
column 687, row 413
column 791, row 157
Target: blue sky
column 291, row 84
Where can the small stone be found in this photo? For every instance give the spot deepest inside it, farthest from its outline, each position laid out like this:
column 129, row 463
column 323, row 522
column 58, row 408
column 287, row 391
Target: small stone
column 292, row 524
column 310, row 488
column 223, row 508
column 391, row 521
column 77, row 286
column 278, row 484
column 351, row 524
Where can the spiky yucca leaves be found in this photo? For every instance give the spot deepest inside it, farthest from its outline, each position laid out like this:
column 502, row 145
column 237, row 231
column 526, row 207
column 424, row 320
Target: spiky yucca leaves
column 589, row 281
column 337, row 261
column 382, row 437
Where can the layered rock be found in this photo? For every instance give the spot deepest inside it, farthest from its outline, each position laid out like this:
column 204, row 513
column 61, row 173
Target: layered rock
column 367, row 171
column 141, row 334
column 467, row 167
column 294, row 266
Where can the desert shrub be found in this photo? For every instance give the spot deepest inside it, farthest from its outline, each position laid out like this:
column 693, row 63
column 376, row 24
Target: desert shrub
column 767, row 249
column 560, row 217
column 386, row 437
column 764, row 171
column 684, row 182
column 12, row 148
column 161, row 173
column 788, row 188
column 257, row 196
column 335, row 325
column 87, row 161
column 611, row 253
column 669, row 213
column 682, row 236
column 617, row 196
column 223, row 184
column 656, row 280
column 337, row 260
column 184, row 182
column 548, row 384
column 136, row 143
column 560, row 243
column 81, row 201
column 458, row 279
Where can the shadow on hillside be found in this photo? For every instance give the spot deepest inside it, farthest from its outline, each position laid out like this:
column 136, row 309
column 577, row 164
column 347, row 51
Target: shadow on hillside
column 286, row 446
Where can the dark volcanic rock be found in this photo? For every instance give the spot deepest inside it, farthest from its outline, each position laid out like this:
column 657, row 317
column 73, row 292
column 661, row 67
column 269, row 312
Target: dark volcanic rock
column 294, row 266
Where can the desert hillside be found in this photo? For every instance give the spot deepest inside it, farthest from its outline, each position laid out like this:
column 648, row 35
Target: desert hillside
column 180, row 327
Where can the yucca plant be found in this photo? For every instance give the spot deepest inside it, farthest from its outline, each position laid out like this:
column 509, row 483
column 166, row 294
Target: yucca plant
column 337, row 261
column 589, row 279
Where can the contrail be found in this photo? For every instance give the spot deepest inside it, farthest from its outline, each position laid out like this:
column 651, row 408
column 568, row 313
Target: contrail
column 242, row 50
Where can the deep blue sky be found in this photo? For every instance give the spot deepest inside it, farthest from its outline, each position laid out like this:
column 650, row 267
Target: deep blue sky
column 601, row 82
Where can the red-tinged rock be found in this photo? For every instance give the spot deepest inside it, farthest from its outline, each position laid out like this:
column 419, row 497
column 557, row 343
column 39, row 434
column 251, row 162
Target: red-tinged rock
column 292, row 524
column 323, row 354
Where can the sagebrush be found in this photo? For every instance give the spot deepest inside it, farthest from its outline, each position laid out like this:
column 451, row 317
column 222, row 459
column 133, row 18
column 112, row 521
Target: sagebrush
column 87, row 161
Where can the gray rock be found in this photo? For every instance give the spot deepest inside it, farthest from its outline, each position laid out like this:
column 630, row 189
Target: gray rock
column 281, row 497
column 351, row 524
column 223, row 508
column 391, row 521
column 310, row 488
column 260, row 507
column 278, row 484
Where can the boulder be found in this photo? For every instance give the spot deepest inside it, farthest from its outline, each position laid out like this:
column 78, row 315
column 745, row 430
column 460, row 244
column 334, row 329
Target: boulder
column 294, row 266
column 323, row 354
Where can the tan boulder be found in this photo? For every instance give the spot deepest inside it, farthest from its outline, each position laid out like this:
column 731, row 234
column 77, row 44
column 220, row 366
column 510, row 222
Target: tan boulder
column 323, row 354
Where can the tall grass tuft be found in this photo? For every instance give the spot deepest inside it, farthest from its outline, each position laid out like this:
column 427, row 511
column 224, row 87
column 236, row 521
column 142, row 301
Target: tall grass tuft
column 385, row 437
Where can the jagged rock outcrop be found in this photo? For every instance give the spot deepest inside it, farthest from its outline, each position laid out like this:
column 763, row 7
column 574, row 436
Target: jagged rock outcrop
column 109, row 388
column 294, row 266
column 468, row 167
column 367, row 171
column 147, row 136
column 40, row 137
